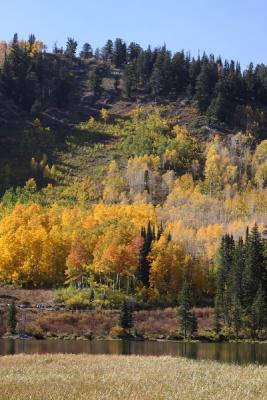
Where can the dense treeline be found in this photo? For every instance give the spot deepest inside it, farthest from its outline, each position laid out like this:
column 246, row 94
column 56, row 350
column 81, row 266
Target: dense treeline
column 34, row 78
column 241, row 296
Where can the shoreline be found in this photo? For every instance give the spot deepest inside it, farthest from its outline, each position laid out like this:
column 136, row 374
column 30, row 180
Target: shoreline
column 128, row 339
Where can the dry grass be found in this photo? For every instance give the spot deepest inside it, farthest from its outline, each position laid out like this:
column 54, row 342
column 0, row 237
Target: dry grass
column 82, row 377
column 22, row 295
column 68, row 323
column 164, row 322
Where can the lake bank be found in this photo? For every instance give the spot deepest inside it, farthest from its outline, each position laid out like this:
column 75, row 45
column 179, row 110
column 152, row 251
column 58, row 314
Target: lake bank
column 120, row 377
column 40, row 316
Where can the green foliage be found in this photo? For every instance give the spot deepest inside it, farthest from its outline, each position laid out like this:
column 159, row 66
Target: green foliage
column 187, row 318
column 71, row 48
column 241, row 285
column 96, row 81
column 11, row 318
column 99, row 296
column 126, row 315
column 258, row 312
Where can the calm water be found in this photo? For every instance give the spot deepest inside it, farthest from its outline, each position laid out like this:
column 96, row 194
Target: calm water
column 241, row 353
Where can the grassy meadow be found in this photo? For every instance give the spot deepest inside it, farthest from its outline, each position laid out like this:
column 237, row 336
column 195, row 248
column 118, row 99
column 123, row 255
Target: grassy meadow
column 80, row 377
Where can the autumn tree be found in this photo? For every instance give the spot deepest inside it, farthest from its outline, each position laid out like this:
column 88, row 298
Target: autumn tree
column 114, row 184
column 76, row 265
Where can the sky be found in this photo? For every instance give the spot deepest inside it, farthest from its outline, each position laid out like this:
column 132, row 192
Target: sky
column 233, row 29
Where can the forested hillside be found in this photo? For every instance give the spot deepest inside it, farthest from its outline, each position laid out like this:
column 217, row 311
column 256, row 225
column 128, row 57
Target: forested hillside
column 135, row 173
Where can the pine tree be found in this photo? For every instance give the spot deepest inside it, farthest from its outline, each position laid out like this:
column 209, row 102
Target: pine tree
column 87, row 51
column 237, row 315
column 218, row 106
column 129, row 80
column 187, row 320
column 31, row 41
column 160, row 80
column 107, row 51
column 180, row 76
column 254, row 267
column 71, row 48
column 223, row 293
column 144, row 263
column 258, row 312
column 126, row 315
column 237, row 269
column 144, row 66
column 11, row 317
column 216, row 317
column 133, row 51
column 192, row 324
column 96, row 81
column 119, row 53
column 18, row 79
column 205, row 83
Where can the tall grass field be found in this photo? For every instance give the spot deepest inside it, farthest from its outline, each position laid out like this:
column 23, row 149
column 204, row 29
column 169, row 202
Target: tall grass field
column 88, row 377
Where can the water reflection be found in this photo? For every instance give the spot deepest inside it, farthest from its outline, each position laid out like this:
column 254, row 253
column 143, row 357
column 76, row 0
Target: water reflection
column 241, row 353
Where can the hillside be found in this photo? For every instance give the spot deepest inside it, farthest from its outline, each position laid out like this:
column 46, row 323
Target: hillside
column 136, row 176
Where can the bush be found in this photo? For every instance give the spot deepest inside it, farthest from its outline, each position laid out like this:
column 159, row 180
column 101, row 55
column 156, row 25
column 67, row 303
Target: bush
column 116, row 332
column 78, row 301
column 35, row 330
column 81, row 299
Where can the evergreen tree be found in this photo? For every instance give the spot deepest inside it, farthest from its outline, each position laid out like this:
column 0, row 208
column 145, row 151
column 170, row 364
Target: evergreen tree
column 205, row 84
column 11, row 318
column 258, row 312
column 237, row 315
column 144, row 263
column 96, row 81
column 31, row 41
column 193, row 324
column 224, row 295
column 250, row 82
column 87, row 51
column 254, row 267
column 160, row 80
column 18, row 79
column 144, row 66
column 187, row 318
column 126, row 315
column 71, row 48
column 129, row 80
column 107, row 51
column 62, row 86
column 179, row 72
column 237, row 269
column 216, row 317
column 119, row 53
column 133, row 51
column 218, row 106
column 15, row 39
column 97, row 54
column 193, row 72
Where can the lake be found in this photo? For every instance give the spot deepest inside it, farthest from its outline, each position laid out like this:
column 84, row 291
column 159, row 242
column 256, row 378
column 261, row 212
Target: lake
column 240, row 353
